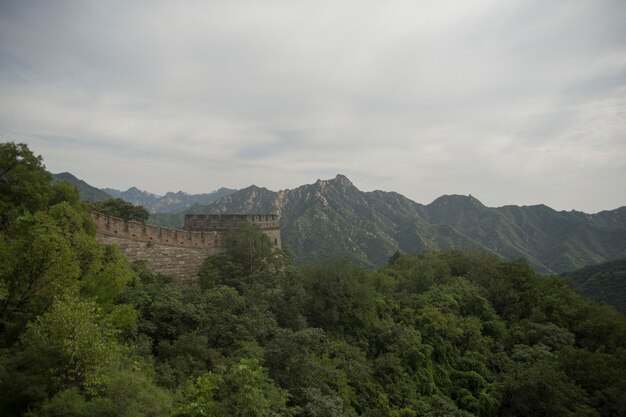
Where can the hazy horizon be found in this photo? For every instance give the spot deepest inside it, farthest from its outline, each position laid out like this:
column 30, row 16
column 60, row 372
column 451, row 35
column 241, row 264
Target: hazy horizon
column 327, row 179
column 522, row 102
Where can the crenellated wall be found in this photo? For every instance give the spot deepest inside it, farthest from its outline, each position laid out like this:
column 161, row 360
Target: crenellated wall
column 136, row 231
column 181, row 263
column 268, row 223
column 174, row 252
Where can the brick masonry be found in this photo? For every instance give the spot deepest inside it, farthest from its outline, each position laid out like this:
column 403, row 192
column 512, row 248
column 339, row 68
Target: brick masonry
column 174, row 252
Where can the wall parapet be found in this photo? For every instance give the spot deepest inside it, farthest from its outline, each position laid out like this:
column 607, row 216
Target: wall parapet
column 223, row 222
column 140, row 232
column 175, row 252
column 201, row 230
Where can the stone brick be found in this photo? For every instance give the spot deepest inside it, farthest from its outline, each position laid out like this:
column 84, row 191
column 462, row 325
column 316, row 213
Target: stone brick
column 174, row 252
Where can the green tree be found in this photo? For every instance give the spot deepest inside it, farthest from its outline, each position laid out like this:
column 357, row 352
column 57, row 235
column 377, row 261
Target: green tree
column 341, row 298
column 69, row 346
column 54, row 252
column 249, row 246
column 122, row 209
column 36, row 264
column 126, row 394
column 26, row 186
column 241, row 390
column 250, row 258
column 542, row 390
column 24, row 182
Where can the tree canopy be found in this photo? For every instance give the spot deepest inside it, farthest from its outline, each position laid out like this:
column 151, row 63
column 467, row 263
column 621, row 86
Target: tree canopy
column 83, row 333
column 117, row 207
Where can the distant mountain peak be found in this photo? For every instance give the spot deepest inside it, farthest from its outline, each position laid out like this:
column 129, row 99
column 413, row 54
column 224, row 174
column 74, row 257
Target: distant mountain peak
column 456, row 200
column 64, row 175
column 87, row 192
column 343, row 180
column 171, row 202
column 332, row 219
column 177, row 193
column 340, row 181
column 255, row 188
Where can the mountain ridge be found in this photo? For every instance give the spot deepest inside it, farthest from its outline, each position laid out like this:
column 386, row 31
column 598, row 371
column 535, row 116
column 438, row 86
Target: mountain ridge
column 604, row 282
column 171, row 202
column 333, row 218
column 86, row 191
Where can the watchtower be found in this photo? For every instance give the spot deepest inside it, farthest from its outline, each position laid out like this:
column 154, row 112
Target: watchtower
column 268, row 223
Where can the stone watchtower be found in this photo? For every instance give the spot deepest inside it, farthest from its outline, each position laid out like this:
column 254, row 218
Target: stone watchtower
column 179, row 253
column 268, row 223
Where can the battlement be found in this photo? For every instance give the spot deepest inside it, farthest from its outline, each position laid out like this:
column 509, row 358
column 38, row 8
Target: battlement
column 201, row 230
column 174, row 252
column 223, row 222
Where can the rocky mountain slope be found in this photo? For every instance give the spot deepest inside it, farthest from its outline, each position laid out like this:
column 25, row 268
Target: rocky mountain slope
column 170, row 202
column 334, row 219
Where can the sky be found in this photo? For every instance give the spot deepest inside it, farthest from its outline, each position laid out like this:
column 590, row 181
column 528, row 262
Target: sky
column 515, row 102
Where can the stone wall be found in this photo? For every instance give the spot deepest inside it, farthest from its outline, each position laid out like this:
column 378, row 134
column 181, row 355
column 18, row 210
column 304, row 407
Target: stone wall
column 173, row 252
column 181, row 263
column 227, row 221
column 268, row 223
column 136, row 231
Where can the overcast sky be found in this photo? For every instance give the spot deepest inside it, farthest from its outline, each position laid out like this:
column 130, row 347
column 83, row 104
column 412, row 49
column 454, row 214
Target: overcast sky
column 516, row 102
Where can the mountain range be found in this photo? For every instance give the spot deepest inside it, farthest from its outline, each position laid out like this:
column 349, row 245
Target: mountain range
column 334, row 219
column 171, row 202
column 87, row 192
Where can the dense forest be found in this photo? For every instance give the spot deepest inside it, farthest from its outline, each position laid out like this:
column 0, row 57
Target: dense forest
column 83, row 333
column 605, row 282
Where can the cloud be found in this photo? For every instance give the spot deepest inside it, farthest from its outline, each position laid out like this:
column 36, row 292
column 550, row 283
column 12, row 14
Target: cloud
column 517, row 102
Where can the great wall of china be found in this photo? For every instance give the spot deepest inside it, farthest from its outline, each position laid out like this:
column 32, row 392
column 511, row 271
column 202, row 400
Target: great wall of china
column 179, row 253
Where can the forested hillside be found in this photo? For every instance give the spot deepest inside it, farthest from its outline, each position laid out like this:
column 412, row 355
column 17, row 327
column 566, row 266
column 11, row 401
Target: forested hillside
column 86, row 191
column 82, row 333
column 333, row 219
column 605, row 282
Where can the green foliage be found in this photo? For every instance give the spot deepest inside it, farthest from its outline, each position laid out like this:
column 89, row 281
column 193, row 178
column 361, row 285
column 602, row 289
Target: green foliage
column 119, row 208
column 341, row 297
column 250, row 257
column 605, row 283
column 36, row 264
column 541, row 389
column 241, row 390
column 335, row 220
column 62, row 327
column 86, row 191
column 68, row 362
column 72, row 343
column 51, row 253
column 26, row 186
column 440, row 334
column 249, row 246
column 436, row 334
column 24, row 182
column 127, row 394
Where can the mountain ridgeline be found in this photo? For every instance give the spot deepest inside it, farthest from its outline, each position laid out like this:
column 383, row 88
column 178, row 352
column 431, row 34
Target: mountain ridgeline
column 171, row 202
column 605, row 283
column 84, row 333
column 334, row 219
column 86, row 191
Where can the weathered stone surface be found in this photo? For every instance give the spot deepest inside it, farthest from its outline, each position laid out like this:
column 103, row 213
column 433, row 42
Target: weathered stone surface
column 179, row 262
column 173, row 252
